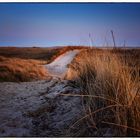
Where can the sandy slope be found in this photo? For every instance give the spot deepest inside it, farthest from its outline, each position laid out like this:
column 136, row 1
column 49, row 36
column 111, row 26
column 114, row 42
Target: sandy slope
column 36, row 108
column 59, row 66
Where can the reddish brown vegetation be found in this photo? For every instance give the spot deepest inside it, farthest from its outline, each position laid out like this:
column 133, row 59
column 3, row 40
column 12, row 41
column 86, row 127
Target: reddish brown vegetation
column 16, row 70
column 24, row 64
column 47, row 54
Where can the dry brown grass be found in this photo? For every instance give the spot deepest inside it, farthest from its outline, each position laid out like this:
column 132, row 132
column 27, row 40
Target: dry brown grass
column 110, row 84
column 47, row 54
column 19, row 70
column 23, row 64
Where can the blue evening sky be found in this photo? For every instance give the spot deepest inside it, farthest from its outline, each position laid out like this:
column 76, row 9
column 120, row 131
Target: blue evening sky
column 56, row 24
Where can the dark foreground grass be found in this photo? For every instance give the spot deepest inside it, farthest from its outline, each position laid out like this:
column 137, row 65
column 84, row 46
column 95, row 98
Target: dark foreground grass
column 110, row 85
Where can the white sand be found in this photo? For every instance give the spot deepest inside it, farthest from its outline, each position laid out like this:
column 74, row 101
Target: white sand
column 59, row 66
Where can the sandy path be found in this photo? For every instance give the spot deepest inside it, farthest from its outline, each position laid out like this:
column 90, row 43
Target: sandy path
column 42, row 108
column 59, row 66
column 16, row 100
column 22, row 105
column 36, row 108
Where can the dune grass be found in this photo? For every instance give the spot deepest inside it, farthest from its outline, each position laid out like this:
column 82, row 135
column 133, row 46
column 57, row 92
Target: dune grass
column 48, row 54
column 24, row 64
column 110, row 85
column 20, row 70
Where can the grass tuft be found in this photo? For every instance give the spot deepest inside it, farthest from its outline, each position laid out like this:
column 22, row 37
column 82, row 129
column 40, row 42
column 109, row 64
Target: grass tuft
column 115, row 78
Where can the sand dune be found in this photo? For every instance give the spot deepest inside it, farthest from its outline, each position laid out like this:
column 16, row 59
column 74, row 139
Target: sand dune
column 25, row 104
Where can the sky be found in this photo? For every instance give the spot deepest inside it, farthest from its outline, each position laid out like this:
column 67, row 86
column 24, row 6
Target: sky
column 59, row 24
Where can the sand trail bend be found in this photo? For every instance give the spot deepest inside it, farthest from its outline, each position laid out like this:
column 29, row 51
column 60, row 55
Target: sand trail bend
column 59, row 66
